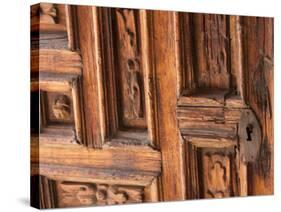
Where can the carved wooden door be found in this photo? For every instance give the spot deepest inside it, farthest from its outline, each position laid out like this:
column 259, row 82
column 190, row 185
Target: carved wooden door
column 134, row 106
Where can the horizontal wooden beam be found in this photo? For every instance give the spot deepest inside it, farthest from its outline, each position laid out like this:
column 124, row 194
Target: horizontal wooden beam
column 211, row 142
column 56, row 61
column 77, row 160
column 92, row 175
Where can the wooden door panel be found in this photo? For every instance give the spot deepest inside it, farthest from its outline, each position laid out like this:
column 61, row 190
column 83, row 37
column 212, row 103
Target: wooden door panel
column 89, row 151
column 60, row 108
column 133, row 106
column 222, row 132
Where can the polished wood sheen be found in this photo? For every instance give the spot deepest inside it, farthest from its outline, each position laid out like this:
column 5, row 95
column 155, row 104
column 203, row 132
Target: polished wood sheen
column 132, row 106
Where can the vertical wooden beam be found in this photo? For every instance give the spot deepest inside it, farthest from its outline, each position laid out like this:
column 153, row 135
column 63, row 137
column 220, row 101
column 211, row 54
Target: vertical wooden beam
column 92, row 79
column 236, row 54
column 258, row 67
column 165, row 64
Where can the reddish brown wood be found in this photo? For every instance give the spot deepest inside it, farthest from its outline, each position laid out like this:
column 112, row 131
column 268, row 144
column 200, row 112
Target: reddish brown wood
column 164, row 60
column 258, row 67
column 143, row 106
column 91, row 80
column 130, row 71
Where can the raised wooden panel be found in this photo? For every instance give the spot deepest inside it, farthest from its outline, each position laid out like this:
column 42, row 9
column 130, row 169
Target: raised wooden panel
column 51, row 26
column 122, row 96
column 211, row 61
column 129, row 70
column 60, row 107
column 211, row 36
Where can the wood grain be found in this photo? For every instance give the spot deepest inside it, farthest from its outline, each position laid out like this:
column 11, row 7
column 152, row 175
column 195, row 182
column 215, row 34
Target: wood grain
column 145, row 106
column 258, row 66
column 92, row 105
column 172, row 179
column 142, row 159
column 56, row 61
column 130, row 71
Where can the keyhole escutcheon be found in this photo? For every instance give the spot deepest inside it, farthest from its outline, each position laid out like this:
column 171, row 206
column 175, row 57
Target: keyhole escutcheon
column 249, row 131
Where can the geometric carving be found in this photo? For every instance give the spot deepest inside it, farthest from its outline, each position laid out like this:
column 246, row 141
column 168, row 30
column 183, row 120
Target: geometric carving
column 72, row 194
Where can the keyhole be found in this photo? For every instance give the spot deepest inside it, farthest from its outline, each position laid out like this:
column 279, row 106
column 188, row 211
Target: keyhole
column 249, row 131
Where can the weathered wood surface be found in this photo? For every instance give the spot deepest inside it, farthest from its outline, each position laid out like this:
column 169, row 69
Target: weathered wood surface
column 141, row 106
column 258, row 66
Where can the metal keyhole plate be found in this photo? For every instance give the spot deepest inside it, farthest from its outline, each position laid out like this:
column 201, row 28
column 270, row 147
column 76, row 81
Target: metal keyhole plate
column 249, row 132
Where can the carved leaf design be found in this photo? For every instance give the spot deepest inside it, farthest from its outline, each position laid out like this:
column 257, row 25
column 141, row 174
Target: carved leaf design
column 129, row 64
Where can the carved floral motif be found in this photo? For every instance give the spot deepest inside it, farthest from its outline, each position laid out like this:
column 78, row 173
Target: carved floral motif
column 130, row 62
column 82, row 194
column 217, row 179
